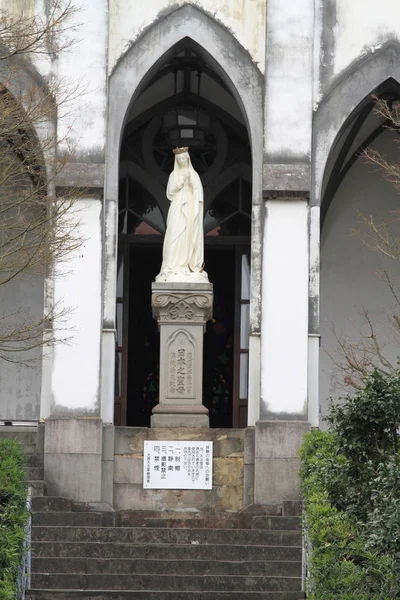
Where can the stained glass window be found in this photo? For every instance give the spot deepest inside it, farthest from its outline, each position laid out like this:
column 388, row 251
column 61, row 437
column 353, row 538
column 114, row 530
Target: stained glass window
column 138, row 211
column 230, row 211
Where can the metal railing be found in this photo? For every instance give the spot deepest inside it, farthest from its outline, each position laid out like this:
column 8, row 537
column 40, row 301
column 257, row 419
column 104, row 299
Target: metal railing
column 24, row 572
column 305, row 555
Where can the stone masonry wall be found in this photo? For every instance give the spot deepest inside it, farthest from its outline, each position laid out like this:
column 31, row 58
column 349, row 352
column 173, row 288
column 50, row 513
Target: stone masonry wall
column 228, row 471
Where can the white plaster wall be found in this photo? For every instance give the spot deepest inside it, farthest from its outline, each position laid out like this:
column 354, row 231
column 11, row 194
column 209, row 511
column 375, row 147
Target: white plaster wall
column 17, row 7
column 349, row 270
column 363, row 26
column 245, row 19
column 31, row 10
column 284, row 319
column 77, row 287
column 79, row 70
column 253, row 413
column 288, row 103
column 83, row 68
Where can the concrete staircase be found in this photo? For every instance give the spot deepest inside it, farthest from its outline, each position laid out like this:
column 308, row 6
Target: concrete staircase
column 207, row 558
column 97, row 555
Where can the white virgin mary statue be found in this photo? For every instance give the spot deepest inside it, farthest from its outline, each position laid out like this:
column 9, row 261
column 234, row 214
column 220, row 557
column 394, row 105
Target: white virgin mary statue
column 183, row 250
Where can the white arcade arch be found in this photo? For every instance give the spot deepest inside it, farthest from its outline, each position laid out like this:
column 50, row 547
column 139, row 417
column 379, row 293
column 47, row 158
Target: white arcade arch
column 235, row 67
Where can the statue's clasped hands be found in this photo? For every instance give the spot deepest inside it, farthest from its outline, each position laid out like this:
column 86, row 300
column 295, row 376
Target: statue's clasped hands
column 185, row 179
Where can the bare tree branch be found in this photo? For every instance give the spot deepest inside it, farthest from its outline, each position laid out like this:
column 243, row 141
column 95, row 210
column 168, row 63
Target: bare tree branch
column 356, row 359
column 38, row 229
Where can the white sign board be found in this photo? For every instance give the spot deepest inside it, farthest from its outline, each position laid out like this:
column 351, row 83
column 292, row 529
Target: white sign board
column 177, row 465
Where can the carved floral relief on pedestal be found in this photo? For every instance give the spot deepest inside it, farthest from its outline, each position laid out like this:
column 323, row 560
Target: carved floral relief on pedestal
column 177, row 307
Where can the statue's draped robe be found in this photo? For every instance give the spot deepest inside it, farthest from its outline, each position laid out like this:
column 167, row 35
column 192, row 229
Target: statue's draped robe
column 183, row 250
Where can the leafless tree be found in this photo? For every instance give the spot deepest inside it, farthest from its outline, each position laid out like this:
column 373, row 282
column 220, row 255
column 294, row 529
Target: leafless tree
column 38, row 228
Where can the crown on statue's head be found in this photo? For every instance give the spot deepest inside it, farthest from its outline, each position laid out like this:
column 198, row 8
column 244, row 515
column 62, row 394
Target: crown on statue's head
column 180, row 150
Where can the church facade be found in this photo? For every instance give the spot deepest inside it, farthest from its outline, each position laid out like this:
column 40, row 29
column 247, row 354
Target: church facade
column 276, row 102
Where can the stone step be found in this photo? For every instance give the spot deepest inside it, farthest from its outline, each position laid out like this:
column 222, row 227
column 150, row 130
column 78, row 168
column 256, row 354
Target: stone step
column 215, row 522
column 165, row 551
column 276, row 523
column 166, row 567
column 29, row 448
column 25, row 435
column 34, row 473
column 37, row 594
column 292, row 508
column 51, row 504
column 200, row 520
column 165, row 582
column 34, row 460
column 66, row 519
column 37, row 487
column 143, row 535
column 182, row 520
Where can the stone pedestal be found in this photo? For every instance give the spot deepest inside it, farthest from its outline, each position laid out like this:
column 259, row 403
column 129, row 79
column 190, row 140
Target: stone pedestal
column 181, row 310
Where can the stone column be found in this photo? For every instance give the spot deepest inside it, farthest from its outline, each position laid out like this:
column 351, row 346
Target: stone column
column 73, row 430
column 285, row 270
column 284, row 349
column 313, row 318
column 181, row 310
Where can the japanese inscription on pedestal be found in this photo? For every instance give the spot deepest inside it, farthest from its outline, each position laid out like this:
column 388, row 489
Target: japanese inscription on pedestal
column 180, row 366
column 177, row 465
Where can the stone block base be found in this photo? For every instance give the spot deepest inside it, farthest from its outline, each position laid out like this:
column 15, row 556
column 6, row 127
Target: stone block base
column 228, row 470
column 73, row 458
column 170, row 415
column 277, row 463
column 89, row 462
column 179, row 421
column 276, row 480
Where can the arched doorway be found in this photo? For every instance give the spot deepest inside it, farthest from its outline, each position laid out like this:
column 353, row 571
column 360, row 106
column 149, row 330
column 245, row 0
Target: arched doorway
column 184, row 103
column 352, row 290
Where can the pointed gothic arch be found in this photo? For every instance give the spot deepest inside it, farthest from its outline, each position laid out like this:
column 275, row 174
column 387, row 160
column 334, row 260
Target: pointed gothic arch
column 345, row 124
column 134, row 69
column 21, row 85
column 25, row 78
column 360, row 130
column 350, row 93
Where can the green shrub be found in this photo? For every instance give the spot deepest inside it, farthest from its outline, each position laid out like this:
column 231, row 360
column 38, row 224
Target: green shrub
column 351, row 485
column 366, row 427
column 13, row 515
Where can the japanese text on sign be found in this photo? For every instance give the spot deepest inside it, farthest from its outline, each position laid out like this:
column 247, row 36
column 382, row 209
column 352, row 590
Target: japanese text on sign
column 177, row 465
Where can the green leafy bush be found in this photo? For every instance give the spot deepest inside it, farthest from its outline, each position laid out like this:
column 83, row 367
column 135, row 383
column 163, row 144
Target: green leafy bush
column 13, row 515
column 351, row 484
column 366, row 426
